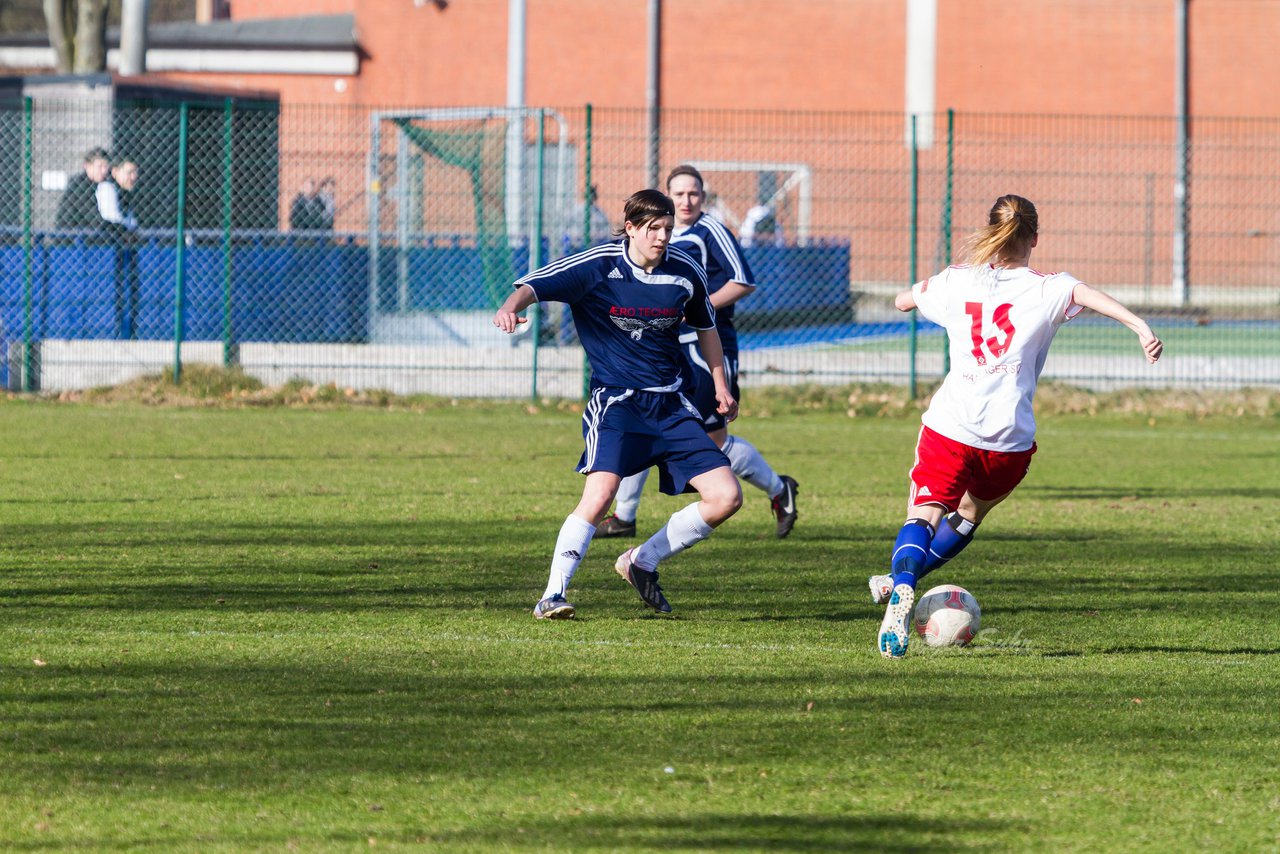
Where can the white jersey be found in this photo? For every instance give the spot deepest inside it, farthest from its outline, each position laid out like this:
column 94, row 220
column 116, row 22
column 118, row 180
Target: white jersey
column 1000, row 323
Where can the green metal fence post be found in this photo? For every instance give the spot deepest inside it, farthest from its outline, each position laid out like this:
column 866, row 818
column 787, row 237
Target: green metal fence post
column 946, row 220
column 535, row 247
column 180, row 259
column 586, row 230
column 28, row 331
column 915, row 227
column 230, row 354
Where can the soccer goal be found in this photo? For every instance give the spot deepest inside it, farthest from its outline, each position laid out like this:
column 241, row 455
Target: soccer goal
column 761, row 201
column 462, row 202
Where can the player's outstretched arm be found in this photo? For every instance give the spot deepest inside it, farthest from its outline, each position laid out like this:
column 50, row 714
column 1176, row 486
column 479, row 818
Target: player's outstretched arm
column 1110, row 307
column 713, row 355
column 508, row 316
column 729, row 294
column 905, row 301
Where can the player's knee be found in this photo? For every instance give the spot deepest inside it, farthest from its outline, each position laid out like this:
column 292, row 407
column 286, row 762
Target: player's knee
column 722, row 500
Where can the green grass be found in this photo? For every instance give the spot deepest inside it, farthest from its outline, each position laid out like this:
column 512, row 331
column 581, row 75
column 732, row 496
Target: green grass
column 273, row 629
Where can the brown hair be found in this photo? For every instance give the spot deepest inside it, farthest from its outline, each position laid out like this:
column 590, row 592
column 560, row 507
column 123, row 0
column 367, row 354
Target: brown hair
column 643, row 206
column 1011, row 225
column 685, row 169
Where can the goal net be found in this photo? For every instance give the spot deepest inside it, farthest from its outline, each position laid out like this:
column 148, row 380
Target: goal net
column 762, row 202
column 459, row 196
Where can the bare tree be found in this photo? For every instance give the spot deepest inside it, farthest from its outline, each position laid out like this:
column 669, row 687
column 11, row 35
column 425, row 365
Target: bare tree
column 78, row 34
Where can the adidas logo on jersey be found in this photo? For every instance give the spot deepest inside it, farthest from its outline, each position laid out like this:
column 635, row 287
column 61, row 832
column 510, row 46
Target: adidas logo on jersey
column 615, row 273
column 924, row 490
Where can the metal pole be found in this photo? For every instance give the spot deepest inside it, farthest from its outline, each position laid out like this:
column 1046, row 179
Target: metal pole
column 28, row 331
column 947, row 221
column 180, row 260
column 516, row 27
column 133, row 37
column 375, row 211
column 586, row 230
column 915, row 228
column 922, row 63
column 535, row 246
column 653, row 91
column 1149, row 234
column 587, row 201
column 229, row 354
column 1182, row 154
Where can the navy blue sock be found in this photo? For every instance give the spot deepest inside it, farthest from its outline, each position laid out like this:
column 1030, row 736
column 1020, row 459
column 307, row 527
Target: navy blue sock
column 953, row 534
column 910, row 551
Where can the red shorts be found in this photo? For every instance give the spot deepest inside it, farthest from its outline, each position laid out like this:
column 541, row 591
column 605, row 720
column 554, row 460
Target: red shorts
column 946, row 469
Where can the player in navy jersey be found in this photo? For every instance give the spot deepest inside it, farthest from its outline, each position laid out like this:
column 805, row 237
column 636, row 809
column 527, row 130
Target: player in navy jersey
column 978, row 433
column 628, row 298
column 729, row 279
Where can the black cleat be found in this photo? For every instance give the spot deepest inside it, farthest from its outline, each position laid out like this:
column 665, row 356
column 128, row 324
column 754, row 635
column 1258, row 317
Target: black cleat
column 644, row 581
column 784, row 505
column 612, row 526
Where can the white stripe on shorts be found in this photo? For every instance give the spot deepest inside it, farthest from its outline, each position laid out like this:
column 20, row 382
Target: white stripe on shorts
column 593, row 415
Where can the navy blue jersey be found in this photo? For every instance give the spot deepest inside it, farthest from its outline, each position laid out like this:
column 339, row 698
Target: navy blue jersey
column 708, row 240
column 628, row 319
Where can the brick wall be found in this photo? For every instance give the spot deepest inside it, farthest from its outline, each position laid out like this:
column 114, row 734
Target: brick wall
column 1040, row 56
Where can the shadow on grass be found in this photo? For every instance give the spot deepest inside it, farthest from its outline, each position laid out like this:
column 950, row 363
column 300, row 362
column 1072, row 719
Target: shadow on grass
column 1196, row 650
column 406, row 564
column 734, row 832
column 1160, row 493
column 710, row 832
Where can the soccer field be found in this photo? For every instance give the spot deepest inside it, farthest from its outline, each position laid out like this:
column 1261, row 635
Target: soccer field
column 276, row 629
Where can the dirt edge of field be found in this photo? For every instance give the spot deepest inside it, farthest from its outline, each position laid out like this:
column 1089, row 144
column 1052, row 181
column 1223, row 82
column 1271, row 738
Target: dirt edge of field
column 207, row 387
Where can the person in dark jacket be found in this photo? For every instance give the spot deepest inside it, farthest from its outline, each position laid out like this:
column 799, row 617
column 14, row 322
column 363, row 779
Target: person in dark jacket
column 307, row 213
column 78, row 207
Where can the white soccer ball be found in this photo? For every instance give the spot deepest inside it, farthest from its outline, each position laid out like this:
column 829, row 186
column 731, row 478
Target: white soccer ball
column 947, row 615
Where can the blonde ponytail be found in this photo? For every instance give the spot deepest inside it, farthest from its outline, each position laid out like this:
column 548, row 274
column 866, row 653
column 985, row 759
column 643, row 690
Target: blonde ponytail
column 1011, row 225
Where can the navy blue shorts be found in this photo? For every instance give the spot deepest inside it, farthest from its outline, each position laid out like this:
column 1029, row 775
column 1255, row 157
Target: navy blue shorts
column 701, row 389
column 627, row 431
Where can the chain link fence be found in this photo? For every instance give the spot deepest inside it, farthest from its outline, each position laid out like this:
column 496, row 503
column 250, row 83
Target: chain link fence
column 368, row 248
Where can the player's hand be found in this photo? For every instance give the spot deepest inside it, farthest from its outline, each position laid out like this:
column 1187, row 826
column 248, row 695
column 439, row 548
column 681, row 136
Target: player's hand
column 727, row 406
column 507, row 321
column 1151, row 345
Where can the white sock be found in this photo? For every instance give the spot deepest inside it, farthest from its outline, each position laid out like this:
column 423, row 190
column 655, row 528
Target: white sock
column 750, row 466
column 684, row 529
column 571, row 548
column 627, row 502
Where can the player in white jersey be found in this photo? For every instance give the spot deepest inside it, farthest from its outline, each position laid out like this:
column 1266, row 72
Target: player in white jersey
column 628, row 297
column 729, row 279
column 978, row 433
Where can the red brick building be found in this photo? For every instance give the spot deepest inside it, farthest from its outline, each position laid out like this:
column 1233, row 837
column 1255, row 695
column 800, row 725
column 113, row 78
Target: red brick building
column 1112, row 57
column 823, row 61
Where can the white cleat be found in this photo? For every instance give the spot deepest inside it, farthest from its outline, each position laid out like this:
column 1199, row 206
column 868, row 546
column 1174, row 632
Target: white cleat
column 553, row 608
column 894, row 633
column 881, row 586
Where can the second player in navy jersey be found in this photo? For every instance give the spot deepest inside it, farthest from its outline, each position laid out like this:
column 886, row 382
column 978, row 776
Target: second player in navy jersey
column 628, row 299
column 729, row 279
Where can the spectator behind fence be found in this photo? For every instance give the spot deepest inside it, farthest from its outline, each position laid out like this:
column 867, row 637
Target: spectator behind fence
column 328, row 196
column 78, row 207
column 307, row 213
column 588, row 212
column 118, row 222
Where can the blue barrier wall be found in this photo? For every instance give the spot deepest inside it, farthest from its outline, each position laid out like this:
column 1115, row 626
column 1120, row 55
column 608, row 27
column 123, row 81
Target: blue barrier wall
column 810, row 279
column 289, row 288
